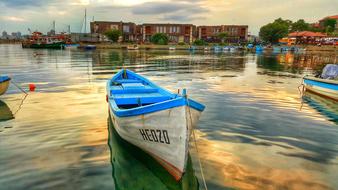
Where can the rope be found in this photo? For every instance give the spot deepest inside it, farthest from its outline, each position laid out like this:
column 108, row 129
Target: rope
column 193, row 132
column 22, row 90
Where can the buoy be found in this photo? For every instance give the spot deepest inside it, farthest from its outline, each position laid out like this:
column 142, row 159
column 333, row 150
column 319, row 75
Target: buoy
column 32, row 87
column 106, row 98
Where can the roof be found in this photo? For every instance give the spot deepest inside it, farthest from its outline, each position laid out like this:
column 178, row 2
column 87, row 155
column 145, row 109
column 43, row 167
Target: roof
column 306, row 34
column 332, row 17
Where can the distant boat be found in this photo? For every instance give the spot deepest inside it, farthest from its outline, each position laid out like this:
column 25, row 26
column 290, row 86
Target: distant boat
column 217, row 48
column 172, row 48
column 133, row 47
column 226, row 48
column 39, row 41
column 153, row 119
column 206, row 49
column 88, row 47
column 71, row 46
column 192, row 48
column 4, row 83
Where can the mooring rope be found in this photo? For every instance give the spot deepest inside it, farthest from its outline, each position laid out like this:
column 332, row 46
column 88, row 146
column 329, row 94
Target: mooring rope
column 22, row 90
column 193, row 131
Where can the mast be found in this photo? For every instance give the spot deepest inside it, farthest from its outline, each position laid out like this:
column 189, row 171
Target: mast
column 85, row 21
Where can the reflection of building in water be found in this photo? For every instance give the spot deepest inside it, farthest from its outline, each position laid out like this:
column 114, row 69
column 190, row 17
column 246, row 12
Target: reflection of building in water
column 313, row 62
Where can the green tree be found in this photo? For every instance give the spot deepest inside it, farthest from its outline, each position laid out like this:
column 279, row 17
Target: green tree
column 113, row 35
column 222, row 36
column 160, row 38
column 272, row 32
column 330, row 24
column 300, row 25
column 199, row 42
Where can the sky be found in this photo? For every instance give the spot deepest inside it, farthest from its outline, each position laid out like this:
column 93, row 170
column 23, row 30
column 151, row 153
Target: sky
column 19, row 15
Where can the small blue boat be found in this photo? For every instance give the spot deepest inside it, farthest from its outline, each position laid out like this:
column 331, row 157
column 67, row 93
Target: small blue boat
column 88, row 47
column 327, row 85
column 4, row 83
column 259, row 48
column 153, row 119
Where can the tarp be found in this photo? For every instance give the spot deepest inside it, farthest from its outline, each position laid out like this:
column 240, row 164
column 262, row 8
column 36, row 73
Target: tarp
column 330, row 71
column 4, row 78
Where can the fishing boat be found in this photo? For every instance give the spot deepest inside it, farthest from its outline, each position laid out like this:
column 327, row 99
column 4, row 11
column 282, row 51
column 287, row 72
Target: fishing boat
column 133, row 47
column 4, row 83
column 325, row 86
column 155, row 120
column 39, row 41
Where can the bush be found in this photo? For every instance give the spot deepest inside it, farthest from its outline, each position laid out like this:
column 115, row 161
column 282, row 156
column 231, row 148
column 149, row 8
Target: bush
column 113, row 35
column 181, row 43
column 199, row 42
column 160, row 39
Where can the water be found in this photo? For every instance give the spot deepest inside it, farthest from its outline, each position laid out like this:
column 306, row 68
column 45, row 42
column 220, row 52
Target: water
column 254, row 134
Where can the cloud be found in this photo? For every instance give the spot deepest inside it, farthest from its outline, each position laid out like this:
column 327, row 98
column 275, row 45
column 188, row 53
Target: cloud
column 13, row 18
column 182, row 18
column 24, row 3
column 168, row 7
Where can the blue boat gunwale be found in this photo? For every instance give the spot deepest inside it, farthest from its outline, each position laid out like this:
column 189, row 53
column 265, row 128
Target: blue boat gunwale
column 4, row 79
column 176, row 99
column 324, row 83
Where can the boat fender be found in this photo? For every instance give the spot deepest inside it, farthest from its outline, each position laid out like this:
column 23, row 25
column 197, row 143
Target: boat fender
column 31, row 87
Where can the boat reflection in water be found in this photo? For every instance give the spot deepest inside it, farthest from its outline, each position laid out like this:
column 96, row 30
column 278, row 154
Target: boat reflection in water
column 325, row 106
column 5, row 113
column 132, row 168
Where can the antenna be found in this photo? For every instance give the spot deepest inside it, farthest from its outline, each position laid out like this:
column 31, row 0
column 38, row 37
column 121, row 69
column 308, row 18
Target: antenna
column 68, row 29
column 54, row 25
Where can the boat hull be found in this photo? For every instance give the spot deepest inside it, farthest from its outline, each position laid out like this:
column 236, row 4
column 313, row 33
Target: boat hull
column 59, row 45
column 4, row 86
column 322, row 87
column 164, row 135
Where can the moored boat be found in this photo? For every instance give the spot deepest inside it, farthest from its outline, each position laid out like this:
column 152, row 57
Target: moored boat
column 172, row 48
column 39, row 41
column 327, row 85
column 4, row 83
column 153, row 119
column 71, row 46
column 133, row 47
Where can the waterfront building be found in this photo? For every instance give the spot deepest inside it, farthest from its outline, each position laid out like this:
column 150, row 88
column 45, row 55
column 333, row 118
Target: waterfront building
column 307, row 37
column 128, row 29
column 236, row 33
column 321, row 22
column 176, row 32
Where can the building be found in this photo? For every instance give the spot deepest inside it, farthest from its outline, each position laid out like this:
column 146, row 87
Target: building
column 236, row 33
column 321, row 22
column 128, row 29
column 307, row 37
column 176, row 32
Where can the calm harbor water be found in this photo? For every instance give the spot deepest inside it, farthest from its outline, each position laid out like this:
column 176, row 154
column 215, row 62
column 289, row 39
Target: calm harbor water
column 256, row 131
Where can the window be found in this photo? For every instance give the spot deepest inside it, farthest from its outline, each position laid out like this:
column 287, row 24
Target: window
column 126, row 28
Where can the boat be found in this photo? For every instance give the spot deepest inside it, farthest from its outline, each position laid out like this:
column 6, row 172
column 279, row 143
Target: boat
column 4, row 83
column 172, row 48
column 5, row 112
column 39, row 41
column 226, row 48
column 206, row 49
column 192, row 48
column 88, row 47
column 327, row 85
column 133, row 47
column 217, row 48
column 155, row 120
column 259, row 48
column 71, row 46
column 130, row 162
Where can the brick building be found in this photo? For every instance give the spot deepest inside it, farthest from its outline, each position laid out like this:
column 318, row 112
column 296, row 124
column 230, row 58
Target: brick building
column 176, row 32
column 128, row 29
column 236, row 33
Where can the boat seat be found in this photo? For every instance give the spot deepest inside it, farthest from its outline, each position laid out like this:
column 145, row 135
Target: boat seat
column 121, row 81
column 140, row 98
column 128, row 88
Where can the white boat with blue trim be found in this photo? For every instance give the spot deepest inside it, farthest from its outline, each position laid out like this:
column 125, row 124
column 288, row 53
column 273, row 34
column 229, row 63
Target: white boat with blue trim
column 4, row 83
column 153, row 119
column 323, row 87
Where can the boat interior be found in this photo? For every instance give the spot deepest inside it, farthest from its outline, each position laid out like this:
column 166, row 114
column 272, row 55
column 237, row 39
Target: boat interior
column 129, row 92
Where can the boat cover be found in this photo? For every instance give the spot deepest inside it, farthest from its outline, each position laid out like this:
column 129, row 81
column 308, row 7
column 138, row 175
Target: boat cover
column 330, row 71
column 4, row 78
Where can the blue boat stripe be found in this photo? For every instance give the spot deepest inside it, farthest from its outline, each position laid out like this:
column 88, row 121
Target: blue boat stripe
column 321, row 84
column 4, row 78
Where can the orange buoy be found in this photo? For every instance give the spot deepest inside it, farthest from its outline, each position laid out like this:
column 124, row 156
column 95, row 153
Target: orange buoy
column 32, row 87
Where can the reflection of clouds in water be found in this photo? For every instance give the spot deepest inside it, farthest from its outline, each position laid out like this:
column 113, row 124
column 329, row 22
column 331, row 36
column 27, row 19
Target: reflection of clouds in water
column 249, row 167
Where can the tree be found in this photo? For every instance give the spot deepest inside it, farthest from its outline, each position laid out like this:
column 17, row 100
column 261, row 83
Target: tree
column 330, row 24
column 272, row 32
column 199, row 42
column 160, row 38
column 300, row 25
column 222, row 36
column 113, row 35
